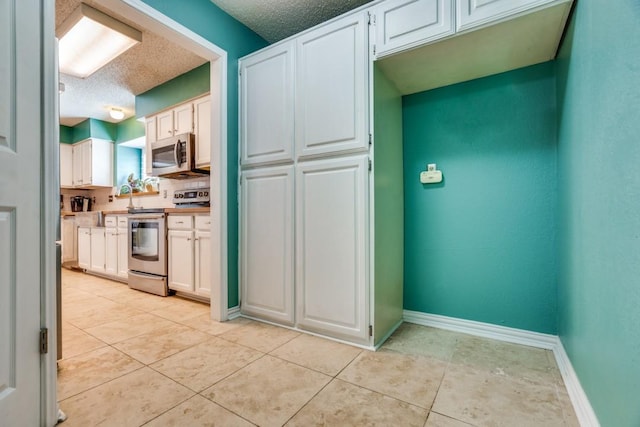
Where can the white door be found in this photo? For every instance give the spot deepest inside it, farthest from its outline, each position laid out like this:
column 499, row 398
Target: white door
column 76, row 155
column 473, row 13
column 183, row 119
column 123, row 252
column 331, row 88
column 266, row 115
column 331, row 247
column 164, row 123
column 66, row 165
column 97, row 250
column 203, row 263
column 111, row 251
column 151, row 136
column 181, row 260
column 401, row 24
column 266, row 240
column 202, row 130
column 87, row 160
column 21, row 248
column 84, row 247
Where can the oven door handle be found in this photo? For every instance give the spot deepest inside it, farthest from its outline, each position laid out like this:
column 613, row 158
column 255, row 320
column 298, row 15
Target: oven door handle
column 145, row 217
column 176, row 148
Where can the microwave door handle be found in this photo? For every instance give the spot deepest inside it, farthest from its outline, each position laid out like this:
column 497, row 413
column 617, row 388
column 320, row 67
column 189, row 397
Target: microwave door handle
column 176, row 149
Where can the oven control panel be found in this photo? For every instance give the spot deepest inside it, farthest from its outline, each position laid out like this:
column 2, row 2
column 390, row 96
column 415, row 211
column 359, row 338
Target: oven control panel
column 196, row 195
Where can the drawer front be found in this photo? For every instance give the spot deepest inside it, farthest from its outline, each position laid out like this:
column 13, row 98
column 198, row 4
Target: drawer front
column 180, row 222
column 123, row 221
column 110, row 221
column 203, row 222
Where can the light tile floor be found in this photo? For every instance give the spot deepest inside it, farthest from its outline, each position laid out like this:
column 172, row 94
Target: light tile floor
column 132, row 359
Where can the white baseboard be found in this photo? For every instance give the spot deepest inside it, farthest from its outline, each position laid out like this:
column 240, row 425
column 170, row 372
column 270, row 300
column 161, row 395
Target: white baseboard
column 584, row 411
column 233, row 312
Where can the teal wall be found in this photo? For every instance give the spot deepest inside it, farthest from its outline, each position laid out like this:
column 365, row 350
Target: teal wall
column 215, row 25
column 127, row 160
column 129, row 129
column 482, row 244
column 185, row 86
column 66, row 134
column 598, row 72
column 89, row 128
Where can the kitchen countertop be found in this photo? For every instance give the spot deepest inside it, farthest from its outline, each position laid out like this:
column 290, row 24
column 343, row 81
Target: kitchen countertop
column 118, row 212
column 187, row 210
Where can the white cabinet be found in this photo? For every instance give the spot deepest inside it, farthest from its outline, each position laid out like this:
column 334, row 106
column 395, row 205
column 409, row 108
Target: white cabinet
column 190, row 248
column 473, row 13
column 69, row 235
column 266, row 243
column 331, row 247
column 181, row 260
column 150, row 138
column 331, row 88
column 111, row 251
column 66, row 165
column 93, row 163
column 401, row 24
column 267, row 115
column 123, row 247
column 190, row 117
column 98, row 250
column 84, row 247
column 203, row 256
column 175, row 121
column 202, row 130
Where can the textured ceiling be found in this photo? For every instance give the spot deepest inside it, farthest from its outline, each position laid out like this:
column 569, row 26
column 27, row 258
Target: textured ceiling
column 144, row 66
column 155, row 60
column 275, row 20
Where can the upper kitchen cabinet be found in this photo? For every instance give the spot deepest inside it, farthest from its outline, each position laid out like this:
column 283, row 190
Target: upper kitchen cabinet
column 92, row 161
column 175, row 121
column 202, row 130
column 492, row 36
column 267, row 115
column 331, row 88
column 193, row 116
column 402, row 24
column 66, row 165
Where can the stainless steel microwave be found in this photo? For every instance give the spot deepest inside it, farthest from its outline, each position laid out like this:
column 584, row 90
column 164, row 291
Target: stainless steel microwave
column 175, row 157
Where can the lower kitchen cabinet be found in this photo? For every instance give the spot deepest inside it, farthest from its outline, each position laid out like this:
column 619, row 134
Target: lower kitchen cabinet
column 98, row 250
column 111, row 251
column 189, row 243
column 84, row 247
column 69, row 235
column 123, row 251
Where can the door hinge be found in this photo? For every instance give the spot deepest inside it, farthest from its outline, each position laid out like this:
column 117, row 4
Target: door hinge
column 374, row 50
column 370, row 139
column 44, row 340
column 369, row 164
column 370, row 330
column 372, row 19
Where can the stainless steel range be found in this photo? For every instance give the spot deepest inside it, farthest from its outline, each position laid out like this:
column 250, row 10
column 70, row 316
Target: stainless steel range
column 195, row 197
column 148, row 251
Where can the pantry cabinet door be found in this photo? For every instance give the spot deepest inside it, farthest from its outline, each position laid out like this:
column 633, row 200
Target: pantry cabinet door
column 331, row 247
column 401, row 24
column 331, row 88
column 266, row 113
column 266, row 245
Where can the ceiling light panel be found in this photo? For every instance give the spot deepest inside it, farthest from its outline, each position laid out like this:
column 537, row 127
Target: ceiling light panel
column 89, row 40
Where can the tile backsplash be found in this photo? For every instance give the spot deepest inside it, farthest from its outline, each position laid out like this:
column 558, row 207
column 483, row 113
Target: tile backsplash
column 157, row 201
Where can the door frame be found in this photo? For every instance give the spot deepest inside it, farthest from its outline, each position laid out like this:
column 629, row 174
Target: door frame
column 151, row 19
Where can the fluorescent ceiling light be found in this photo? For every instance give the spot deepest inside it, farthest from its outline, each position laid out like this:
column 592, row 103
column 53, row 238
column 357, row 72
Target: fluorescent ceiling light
column 116, row 114
column 89, row 40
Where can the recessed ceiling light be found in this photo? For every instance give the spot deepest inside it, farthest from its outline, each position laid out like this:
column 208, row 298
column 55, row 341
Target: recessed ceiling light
column 116, row 114
column 89, row 40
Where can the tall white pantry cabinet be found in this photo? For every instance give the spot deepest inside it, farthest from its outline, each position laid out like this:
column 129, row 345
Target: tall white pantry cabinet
column 309, row 184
